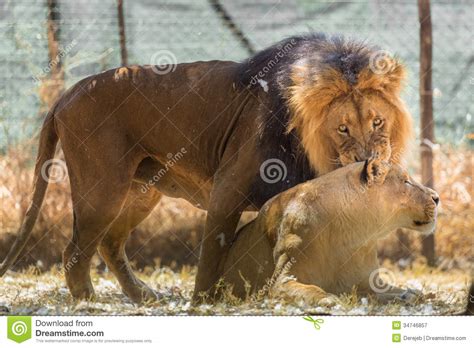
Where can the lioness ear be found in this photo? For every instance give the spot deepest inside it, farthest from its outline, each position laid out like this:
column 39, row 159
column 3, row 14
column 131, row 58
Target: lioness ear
column 374, row 172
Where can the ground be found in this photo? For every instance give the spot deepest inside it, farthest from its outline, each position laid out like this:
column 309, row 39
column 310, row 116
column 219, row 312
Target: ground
column 34, row 293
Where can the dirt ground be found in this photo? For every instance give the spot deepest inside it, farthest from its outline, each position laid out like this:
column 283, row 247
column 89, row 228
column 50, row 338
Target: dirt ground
column 34, row 293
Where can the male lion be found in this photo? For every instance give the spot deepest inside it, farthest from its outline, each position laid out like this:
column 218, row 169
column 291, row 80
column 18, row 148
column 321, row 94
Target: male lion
column 206, row 131
column 319, row 237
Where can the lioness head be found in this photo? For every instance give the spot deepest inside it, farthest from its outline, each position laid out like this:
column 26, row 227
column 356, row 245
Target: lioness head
column 346, row 105
column 402, row 201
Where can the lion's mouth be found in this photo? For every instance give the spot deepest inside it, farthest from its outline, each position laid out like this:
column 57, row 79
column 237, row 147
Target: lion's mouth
column 428, row 218
column 425, row 226
column 421, row 223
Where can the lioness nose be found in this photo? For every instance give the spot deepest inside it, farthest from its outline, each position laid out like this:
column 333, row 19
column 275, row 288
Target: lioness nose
column 435, row 198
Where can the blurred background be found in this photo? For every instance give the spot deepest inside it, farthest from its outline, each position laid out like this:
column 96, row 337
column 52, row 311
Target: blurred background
column 48, row 45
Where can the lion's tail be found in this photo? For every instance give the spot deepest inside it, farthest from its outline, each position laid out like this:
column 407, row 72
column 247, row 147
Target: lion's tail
column 46, row 151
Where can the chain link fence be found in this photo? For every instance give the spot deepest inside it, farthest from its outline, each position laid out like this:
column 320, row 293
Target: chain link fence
column 189, row 30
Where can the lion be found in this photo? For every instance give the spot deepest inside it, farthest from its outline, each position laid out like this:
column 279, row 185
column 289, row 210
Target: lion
column 318, row 239
column 211, row 133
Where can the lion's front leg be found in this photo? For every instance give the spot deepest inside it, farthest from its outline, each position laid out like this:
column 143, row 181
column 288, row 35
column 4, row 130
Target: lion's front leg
column 226, row 206
column 286, row 285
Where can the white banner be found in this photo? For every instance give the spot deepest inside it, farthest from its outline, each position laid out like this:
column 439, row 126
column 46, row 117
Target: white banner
column 236, row 331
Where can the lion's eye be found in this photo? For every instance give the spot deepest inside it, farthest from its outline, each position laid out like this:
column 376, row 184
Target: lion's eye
column 408, row 182
column 342, row 129
column 377, row 122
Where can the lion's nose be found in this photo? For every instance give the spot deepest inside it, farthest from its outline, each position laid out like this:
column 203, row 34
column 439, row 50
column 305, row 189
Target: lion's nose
column 435, row 198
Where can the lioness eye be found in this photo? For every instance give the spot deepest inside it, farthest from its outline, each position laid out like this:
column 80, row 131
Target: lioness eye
column 342, row 129
column 378, row 122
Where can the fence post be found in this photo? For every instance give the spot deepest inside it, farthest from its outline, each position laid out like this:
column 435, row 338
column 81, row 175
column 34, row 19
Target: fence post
column 53, row 86
column 123, row 43
column 426, row 112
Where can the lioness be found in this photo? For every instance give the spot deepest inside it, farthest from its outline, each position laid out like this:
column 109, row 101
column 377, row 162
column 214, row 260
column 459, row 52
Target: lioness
column 319, row 237
column 208, row 132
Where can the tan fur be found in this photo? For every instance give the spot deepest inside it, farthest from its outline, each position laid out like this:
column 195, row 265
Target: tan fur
column 319, row 238
column 312, row 101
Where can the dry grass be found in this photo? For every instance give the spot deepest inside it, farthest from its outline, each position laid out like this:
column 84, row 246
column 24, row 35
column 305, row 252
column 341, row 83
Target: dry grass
column 34, row 293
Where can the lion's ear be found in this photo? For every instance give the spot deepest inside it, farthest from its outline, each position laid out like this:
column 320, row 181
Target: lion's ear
column 395, row 77
column 374, row 172
column 389, row 80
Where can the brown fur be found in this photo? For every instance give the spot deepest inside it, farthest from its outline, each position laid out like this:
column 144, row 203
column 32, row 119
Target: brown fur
column 319, row 238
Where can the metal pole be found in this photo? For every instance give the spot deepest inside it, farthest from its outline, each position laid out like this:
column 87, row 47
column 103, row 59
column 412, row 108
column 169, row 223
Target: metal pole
column 123, row 44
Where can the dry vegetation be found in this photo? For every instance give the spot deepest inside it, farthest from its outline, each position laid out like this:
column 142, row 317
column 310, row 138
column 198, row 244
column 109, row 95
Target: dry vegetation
column 30, row 292
column 170, row 235
column 169, row 238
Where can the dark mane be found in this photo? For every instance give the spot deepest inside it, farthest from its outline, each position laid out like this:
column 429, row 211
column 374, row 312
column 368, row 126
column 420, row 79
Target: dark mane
column 274, row 64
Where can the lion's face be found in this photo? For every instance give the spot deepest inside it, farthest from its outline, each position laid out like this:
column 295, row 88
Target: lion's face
column 360, row 128
column 412, row 205
column 342, row 120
